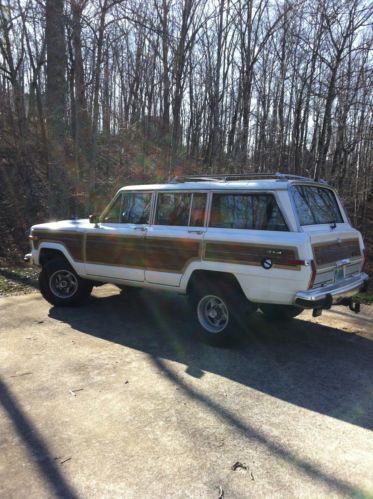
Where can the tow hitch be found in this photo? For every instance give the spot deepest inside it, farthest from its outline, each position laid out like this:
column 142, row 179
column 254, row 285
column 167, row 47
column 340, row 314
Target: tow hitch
column 316, row 312
column 354, row 307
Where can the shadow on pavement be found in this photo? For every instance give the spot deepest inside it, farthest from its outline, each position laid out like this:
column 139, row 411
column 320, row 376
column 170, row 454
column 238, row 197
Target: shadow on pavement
column 319, row 368
column 303, row 465
column 35, row 445
column 316, row 367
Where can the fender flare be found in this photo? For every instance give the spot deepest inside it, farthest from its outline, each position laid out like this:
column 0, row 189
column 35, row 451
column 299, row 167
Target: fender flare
column 62, row 249
column 211, row 267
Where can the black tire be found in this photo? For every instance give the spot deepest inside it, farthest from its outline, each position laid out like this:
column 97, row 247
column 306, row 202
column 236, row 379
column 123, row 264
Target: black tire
column 218, row 310
column 129, row 292
column 61, row 286
column 280, row 312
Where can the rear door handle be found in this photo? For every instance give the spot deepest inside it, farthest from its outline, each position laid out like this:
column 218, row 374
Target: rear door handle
column 142, row 228
column 196, row 231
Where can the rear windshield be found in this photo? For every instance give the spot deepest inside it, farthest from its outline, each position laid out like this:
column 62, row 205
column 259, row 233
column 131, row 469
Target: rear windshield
column 316, row 205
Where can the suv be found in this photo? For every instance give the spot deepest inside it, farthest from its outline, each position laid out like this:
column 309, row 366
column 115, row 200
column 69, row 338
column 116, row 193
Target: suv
column 232, row 243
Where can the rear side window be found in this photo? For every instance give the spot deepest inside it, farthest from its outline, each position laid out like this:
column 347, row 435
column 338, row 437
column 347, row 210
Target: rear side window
column 246, row 211
column 316, row 205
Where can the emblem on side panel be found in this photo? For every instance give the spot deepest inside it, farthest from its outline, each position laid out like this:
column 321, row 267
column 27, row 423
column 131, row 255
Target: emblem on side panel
column 266, row 263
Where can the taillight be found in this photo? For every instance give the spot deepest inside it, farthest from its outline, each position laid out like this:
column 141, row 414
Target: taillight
column 313, row 274
column 295, row 262
column 365, row 260
column 33, row 238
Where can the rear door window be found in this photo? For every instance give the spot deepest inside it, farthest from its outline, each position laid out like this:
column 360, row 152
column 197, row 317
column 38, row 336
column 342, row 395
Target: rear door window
column 197, row 213
column 173, row 208
column 246, row 211
column 181, row 209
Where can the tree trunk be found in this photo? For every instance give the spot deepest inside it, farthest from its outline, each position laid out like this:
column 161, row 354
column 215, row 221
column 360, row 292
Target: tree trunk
column 56, row 90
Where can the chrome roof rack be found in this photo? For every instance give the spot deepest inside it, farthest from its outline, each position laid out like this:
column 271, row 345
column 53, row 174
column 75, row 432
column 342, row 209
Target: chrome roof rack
column 240, row 176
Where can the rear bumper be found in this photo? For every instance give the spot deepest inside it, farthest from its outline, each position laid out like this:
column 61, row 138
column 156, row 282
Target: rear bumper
column 333, row 294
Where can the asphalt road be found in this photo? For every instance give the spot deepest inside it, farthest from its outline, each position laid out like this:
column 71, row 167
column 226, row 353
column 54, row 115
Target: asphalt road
column 117, row 399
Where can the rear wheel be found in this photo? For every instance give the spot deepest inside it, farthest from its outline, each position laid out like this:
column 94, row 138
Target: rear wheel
column 280, row 312
column 61, row 286
column 218, row 310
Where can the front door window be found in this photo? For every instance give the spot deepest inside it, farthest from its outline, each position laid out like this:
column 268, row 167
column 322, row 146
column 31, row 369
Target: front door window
column 112, row 216
column 136, row 208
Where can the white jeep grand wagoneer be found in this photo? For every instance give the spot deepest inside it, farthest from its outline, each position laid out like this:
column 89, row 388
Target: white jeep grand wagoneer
column 232, row 243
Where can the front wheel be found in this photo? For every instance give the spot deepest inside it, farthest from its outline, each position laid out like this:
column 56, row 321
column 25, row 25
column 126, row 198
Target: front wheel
column 218, row 311
column 61, row 286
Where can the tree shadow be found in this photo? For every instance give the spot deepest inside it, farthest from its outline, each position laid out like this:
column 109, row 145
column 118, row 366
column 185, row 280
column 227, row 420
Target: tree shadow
column 35, row 445
column 302, row 464
column 320, row 368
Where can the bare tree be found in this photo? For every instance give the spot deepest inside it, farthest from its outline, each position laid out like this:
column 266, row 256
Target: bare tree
column 110, row 90
column 56, row 101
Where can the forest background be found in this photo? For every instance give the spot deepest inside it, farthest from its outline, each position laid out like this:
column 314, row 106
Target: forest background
column 96, row 94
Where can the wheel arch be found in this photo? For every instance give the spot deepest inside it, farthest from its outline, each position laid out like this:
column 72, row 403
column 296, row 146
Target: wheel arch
column 202, row 277
column 49, row 251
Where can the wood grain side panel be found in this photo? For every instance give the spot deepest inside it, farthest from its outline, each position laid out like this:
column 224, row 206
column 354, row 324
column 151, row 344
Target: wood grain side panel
column 170, row 255
column 124, row 251
column 326, row 253
column 164, row 254
column 72, row 241
column 250, row 254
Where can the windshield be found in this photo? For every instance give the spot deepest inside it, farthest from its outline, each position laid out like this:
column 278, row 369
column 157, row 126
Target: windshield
column 316, row 205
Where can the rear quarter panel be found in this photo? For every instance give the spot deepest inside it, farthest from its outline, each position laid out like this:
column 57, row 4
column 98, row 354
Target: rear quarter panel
column 243, row 253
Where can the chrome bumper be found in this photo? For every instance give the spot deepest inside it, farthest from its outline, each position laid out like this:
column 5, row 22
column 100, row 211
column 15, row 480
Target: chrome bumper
column 27, row 258
column 326, row 297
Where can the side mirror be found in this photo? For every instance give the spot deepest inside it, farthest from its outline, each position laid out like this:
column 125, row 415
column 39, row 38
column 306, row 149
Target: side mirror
column 94, row 219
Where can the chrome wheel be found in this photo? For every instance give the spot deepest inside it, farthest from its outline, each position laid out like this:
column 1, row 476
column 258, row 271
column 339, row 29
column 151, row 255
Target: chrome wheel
column 212, row 314
column 63, row 283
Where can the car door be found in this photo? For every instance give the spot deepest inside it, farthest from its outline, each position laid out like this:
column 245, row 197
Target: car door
column 248, row 236
column 115, row 247
column 175, row 237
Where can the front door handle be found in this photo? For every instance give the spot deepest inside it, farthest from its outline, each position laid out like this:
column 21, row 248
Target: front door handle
column 195, row 231
column 142, row 228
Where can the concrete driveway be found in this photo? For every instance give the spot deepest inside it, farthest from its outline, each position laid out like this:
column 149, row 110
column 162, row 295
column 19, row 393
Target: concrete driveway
column 117, row 399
